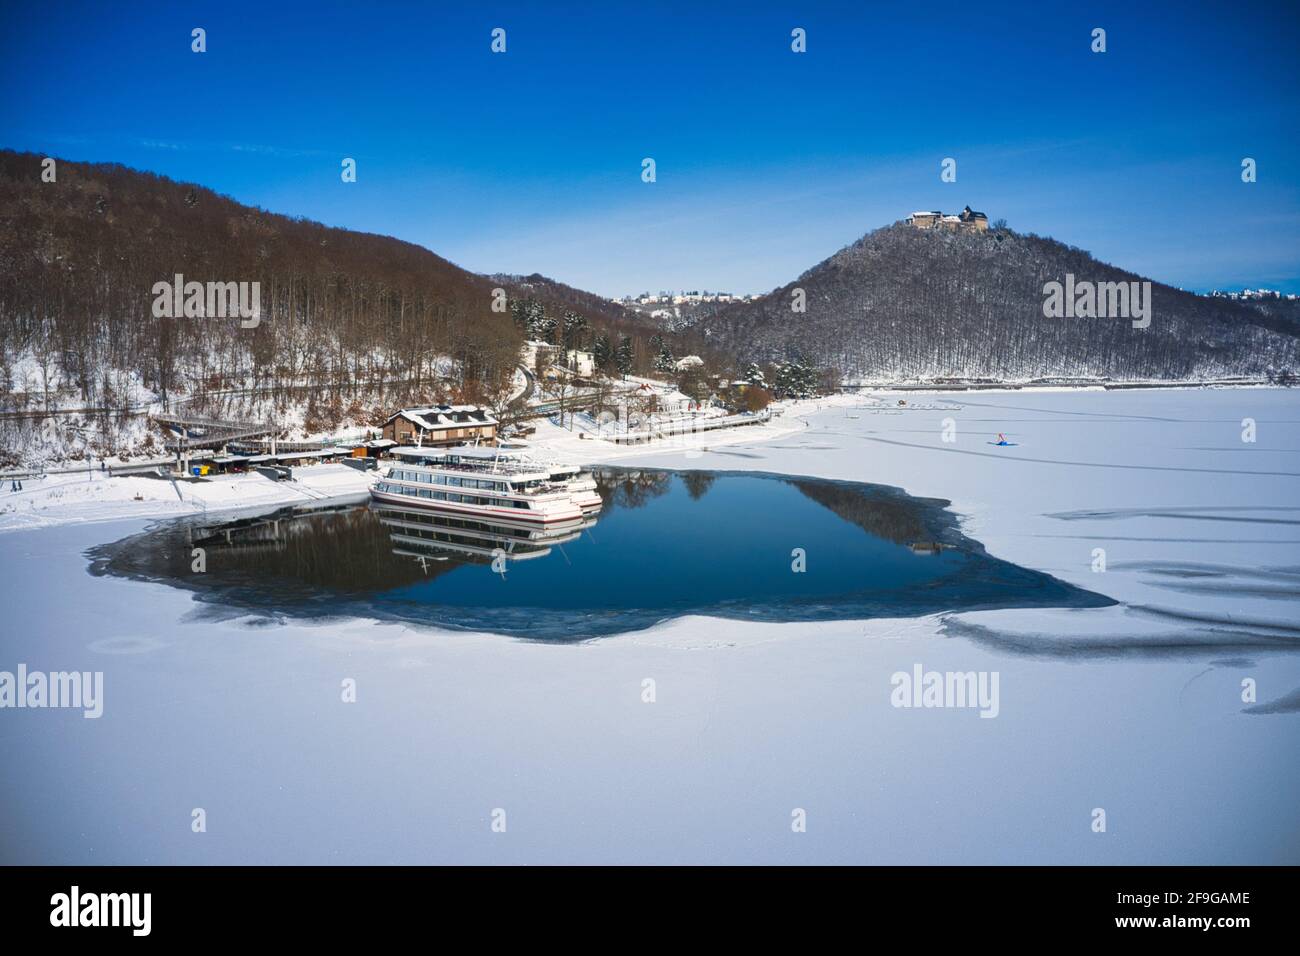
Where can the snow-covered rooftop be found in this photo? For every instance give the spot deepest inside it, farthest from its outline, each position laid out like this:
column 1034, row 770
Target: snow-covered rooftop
column 437, row 417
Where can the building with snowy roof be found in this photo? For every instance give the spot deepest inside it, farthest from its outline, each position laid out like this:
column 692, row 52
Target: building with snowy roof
column 441, row 425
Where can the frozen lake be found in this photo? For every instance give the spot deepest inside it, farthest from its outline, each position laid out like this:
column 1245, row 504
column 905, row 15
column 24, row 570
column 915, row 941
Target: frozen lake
column 738, row 545
column 1175, row 711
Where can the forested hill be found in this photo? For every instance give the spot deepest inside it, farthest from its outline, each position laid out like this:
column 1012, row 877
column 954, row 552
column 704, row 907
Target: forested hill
column 346, row 317
column 907, row 304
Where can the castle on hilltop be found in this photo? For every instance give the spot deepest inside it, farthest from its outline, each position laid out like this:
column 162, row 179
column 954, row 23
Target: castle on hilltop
column 968, row 220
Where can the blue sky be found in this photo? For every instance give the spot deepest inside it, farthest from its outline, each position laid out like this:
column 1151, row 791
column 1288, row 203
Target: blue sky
column 768, row 161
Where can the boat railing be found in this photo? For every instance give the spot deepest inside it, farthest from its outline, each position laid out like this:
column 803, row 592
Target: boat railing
column 486, row 468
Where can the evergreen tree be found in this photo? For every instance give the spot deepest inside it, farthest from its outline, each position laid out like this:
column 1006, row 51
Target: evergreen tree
column 603, row 352
column 624, row 356
column 664, row 361
column 576, row 328
column 519, row 312
column 537, row 322
column 796, row 379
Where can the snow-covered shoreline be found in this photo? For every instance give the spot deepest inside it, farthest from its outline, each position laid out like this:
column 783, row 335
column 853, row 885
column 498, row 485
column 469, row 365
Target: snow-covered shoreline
column 93, row 497
column 89, row 495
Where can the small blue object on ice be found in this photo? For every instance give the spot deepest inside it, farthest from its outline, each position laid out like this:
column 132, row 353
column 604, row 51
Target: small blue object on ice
column 1002, row 441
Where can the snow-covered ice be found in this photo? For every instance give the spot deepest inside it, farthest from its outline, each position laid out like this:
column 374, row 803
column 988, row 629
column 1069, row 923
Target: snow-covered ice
column 1136, row 709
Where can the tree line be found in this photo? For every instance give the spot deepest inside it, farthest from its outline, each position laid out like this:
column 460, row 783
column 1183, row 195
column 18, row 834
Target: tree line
column 351, row 324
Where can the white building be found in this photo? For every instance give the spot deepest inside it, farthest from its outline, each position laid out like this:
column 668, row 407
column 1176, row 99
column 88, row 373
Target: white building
column 581, row 363
column 528, row 354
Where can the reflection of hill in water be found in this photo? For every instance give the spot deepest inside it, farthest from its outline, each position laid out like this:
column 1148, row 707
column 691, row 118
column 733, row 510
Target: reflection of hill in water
column 877, row 510
column 897, row 519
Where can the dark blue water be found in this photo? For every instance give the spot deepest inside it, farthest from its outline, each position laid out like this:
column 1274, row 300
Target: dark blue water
column 666, row 543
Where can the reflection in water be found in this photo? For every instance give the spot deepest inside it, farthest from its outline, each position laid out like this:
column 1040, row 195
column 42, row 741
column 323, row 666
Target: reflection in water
column 664, row 544
column 306, row 553
column 431, row 534
column 894, row 519
column 356, row 550
column 631, row 488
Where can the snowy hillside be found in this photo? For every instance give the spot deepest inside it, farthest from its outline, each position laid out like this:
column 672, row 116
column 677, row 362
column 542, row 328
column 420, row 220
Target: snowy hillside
column 904, row 304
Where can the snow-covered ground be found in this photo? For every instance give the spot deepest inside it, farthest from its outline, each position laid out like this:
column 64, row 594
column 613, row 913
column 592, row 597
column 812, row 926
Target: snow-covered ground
column 1136, row 710
column 93, row 496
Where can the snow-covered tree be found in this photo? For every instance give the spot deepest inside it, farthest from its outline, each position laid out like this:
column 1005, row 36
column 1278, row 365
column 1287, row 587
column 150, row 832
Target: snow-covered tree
column 576, row 328
column 602, row 352
column 624, row 357
column 796, row 379
column 664, row 361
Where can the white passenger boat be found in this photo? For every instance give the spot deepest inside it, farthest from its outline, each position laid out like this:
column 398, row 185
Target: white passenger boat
column 486, row 482
column 581, row 485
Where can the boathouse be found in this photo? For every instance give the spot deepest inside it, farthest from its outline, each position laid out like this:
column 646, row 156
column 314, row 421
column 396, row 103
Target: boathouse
column 441, row 425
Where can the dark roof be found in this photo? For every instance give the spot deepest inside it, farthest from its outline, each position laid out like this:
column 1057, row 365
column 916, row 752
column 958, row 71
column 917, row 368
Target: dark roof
column 969, row 213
